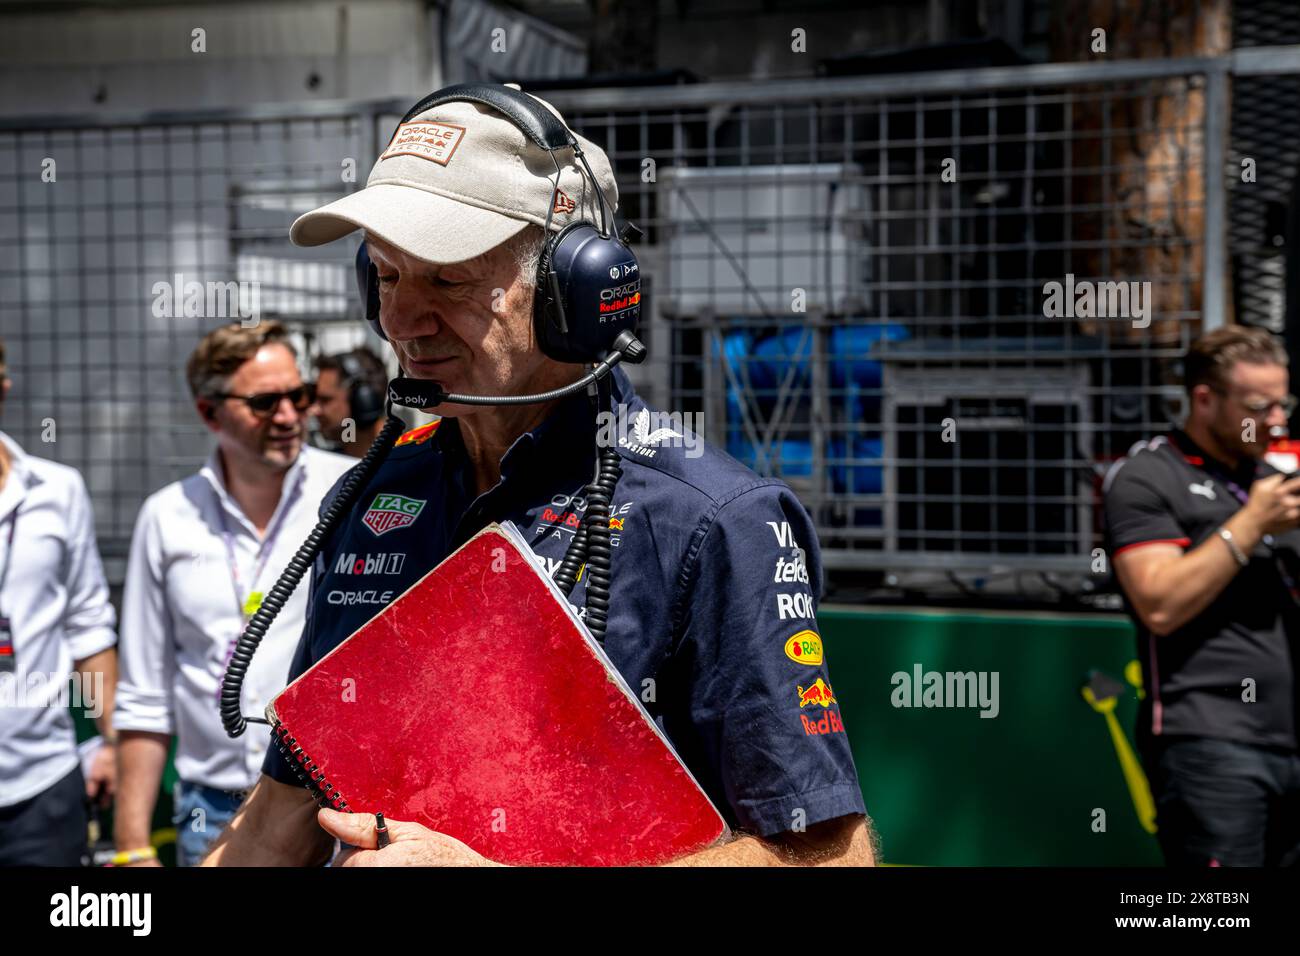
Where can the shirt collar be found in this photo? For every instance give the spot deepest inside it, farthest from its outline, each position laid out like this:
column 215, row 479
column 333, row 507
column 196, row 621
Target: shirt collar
column 1194, row 454
column 18, row 463
column 212, row 473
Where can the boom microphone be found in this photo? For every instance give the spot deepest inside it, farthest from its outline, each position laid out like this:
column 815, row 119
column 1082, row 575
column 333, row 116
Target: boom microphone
column 423, row 394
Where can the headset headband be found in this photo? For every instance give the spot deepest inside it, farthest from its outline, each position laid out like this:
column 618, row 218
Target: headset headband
column 533, row 119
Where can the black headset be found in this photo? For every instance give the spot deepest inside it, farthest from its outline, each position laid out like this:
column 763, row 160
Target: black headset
column 588, row 286
column 365, row 401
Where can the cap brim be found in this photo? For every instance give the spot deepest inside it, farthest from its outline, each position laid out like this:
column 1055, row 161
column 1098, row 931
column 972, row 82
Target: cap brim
column 420, row 223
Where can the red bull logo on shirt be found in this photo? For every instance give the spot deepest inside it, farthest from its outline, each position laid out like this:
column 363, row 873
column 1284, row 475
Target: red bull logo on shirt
column 829, row 724
column 818, row 693
column 390, row 512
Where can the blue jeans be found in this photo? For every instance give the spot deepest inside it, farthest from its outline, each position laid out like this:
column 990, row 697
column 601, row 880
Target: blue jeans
column 201, row 813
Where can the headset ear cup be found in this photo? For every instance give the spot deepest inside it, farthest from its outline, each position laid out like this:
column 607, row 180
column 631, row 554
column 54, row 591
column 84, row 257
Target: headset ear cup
column 368, row 286
column 591, row 293
column 366, row 405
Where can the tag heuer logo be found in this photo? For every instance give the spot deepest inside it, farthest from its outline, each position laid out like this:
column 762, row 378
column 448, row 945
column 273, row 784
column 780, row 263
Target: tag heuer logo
column 389, row 512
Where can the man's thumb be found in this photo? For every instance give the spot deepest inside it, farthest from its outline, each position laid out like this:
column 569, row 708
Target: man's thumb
column 358, row 829
column 354, row 829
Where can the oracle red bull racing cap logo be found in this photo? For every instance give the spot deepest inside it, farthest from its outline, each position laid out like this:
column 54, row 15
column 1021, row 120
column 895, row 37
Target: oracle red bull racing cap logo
column 390, row 512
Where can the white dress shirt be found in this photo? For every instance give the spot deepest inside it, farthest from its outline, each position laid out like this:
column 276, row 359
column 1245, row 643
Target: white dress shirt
column 56, row 598
column 181, row 615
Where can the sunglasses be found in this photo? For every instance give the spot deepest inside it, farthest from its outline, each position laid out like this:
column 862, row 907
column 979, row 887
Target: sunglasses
column 1263, row 407
column 264, row 404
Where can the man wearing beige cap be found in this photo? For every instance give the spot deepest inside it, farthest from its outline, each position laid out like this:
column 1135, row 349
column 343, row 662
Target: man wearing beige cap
column 715, row 571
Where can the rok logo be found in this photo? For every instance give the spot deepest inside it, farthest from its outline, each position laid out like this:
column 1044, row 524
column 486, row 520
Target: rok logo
column 381, row 563
column 799, row 606
column 390, row 512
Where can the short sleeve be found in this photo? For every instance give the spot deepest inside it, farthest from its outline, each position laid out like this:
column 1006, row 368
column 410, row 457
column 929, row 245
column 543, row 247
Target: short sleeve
column 1136, row 512
column 762, row 708
column 89, row 618
column 146, row 652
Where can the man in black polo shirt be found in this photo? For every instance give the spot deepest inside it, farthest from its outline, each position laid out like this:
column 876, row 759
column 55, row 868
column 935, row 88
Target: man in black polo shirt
column 1202, row 535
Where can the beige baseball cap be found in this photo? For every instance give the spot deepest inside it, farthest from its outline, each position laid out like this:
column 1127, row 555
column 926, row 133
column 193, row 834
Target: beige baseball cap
column 458, row 179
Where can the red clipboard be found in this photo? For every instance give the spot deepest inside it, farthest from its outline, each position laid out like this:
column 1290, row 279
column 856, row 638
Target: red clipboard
column 479, row 705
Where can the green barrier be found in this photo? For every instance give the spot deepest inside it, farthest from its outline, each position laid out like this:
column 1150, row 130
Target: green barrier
column 947, row 787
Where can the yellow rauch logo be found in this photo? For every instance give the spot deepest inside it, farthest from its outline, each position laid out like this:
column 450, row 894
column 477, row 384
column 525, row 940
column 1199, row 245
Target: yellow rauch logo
column 805, row 648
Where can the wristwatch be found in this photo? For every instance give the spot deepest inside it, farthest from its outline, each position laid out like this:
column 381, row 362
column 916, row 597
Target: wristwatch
column 1226, row 535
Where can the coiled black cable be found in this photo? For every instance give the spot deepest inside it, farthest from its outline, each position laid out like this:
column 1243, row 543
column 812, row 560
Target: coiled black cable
column 591, row 542
column 599, row 551
column 357, row 479
column 566, row 576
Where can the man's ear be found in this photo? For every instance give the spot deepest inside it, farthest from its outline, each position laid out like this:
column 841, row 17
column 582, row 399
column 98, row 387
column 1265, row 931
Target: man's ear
column 1202, row 397
column 207, row 410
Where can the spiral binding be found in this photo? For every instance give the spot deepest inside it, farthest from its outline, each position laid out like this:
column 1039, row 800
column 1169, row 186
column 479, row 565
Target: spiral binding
column 327, row 795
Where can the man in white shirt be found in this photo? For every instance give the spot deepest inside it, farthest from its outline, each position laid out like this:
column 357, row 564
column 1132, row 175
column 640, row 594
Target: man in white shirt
column 55, row 618
column 205, row 551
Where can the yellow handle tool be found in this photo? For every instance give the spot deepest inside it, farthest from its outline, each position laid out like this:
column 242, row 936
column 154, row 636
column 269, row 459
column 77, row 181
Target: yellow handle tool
column 1138, row 788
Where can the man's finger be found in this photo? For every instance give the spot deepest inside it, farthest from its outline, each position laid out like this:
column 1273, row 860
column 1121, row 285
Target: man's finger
column 358, row 829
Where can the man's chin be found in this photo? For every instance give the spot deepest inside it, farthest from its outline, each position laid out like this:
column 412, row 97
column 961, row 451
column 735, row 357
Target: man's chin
column 282, row 455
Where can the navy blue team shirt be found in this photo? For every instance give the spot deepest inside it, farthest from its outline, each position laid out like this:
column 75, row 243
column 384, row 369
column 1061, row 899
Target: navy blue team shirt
column 715, row 576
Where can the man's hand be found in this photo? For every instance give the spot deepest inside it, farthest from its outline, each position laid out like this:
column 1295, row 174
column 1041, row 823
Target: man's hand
column 412, row 844
column 101, row 781
column 1274, row 504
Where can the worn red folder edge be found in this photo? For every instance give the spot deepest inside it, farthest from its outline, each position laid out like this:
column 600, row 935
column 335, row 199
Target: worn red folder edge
column 479, row 705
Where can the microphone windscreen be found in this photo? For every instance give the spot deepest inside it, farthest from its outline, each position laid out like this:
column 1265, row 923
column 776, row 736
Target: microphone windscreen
column 415, row 393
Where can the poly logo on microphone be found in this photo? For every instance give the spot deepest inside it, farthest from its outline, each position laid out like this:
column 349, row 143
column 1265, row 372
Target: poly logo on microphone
column 390, row 512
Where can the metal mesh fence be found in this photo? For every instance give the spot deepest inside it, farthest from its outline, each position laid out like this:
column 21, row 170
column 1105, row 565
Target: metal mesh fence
column 848, row 280
column 855, row 290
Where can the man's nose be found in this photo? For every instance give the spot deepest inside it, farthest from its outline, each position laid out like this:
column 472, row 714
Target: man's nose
column 286, row 413
column 1276, row 416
